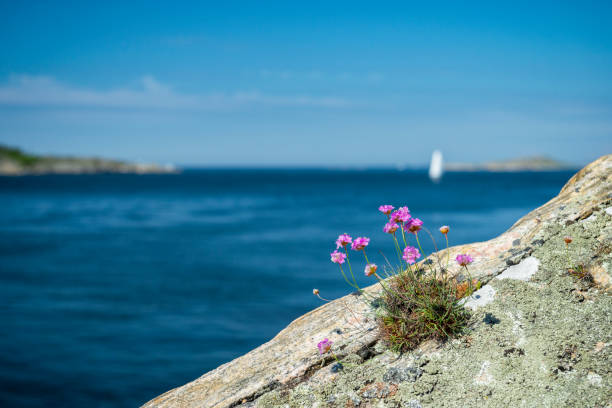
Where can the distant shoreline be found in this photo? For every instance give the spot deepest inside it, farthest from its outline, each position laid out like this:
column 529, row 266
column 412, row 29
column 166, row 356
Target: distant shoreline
column 14, row 162
column 536, row 163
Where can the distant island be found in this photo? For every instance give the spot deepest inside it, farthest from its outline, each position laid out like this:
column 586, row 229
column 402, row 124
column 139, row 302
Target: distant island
column 536, row 163
column 14, row 162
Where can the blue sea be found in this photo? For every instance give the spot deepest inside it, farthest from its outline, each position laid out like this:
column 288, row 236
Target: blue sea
column 117, row 288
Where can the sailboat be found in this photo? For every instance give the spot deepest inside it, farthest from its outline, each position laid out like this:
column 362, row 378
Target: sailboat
column 436, row 166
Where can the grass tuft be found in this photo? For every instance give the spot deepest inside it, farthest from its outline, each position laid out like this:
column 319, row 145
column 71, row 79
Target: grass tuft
column 418, row 307
column 582, row 274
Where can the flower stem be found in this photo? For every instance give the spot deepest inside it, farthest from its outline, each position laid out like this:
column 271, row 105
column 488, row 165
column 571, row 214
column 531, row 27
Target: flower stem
column 348, row 261
column 335, row 357
column 397, row 249
column 471, row 289
column 381, row 282
column 347, row 281
column 447, row 252
column 366, row 257
column 416, row 234
column 403, row 235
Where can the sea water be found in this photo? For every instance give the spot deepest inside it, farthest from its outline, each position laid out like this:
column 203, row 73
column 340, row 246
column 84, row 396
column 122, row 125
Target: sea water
column 117, row 288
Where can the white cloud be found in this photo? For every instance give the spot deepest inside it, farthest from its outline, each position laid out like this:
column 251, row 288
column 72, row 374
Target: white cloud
column 25, row 90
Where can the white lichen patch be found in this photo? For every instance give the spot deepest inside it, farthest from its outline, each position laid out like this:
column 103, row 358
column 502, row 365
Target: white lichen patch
column 517, row 328
column 484, row 376
column 594, row 379
column 522, row 271
column 609, row 210
column 481, row 297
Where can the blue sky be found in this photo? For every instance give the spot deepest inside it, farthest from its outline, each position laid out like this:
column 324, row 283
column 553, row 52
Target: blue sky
column 311, row 83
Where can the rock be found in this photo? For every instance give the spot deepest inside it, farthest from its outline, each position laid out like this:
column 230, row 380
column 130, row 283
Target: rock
column 539, row 347
column 594, row 379
column 397, row 374
column 521, row 271
column 412, row 404
column 481, row 297
column 378, row 390
column 484, row 376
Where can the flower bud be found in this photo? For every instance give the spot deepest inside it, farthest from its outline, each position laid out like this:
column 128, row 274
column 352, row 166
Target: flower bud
column 315, row 292
column 567, row 239
column 444, row 229
column 370, row 269
column 385, row 209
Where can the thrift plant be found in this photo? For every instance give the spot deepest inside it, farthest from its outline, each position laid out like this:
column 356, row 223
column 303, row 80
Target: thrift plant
column 325, row 346
column 417, row 302
column 580, row 272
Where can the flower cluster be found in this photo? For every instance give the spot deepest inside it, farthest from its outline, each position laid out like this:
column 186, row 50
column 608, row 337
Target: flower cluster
column 338, row 257
column 411, row 254
column 360, row 243
column 400, row 225
column 401, row 215
column 464, row 259
column 390, row 227
column 343, row 240
column 324, row 346
column 386, row 209
column 413, row 225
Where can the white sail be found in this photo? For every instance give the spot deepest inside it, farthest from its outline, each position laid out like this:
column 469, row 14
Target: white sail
column 435, row 167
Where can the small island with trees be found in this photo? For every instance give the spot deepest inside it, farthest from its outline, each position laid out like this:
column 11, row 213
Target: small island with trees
column 15, row 162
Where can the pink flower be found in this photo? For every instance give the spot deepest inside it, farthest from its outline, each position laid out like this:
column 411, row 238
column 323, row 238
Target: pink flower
column 343, row 240
column 411, row 254
column 413, row 225
column 390, row 227
column 464, row 259
column 402, row 214
column 370, row 269
column 386, row 209
column 338, row 257
column 324, row 346
column 444, row 229
column 360, row 243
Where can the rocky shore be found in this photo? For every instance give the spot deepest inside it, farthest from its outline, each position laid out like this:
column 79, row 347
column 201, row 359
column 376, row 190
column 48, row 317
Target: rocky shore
column 538, row 336
column 14, row 162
